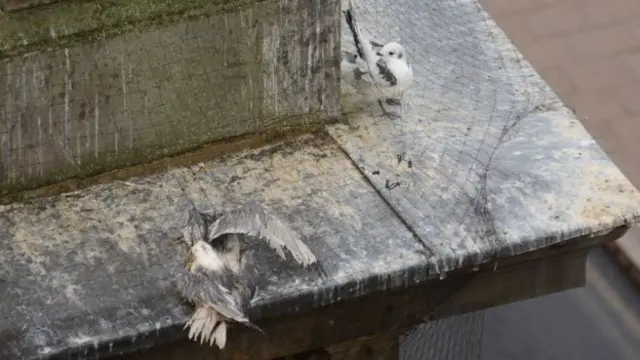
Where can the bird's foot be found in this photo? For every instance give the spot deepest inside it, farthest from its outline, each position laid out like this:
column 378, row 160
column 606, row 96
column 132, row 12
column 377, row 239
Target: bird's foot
column 393, row 102
column 391, row 115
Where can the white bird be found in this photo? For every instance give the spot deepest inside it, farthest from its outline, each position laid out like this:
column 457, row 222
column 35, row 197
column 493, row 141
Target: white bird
column 222, row 284
column 382, row 75
column 220, row 277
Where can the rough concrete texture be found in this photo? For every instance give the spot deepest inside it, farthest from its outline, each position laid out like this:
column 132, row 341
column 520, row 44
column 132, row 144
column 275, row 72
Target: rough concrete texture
column 142, row 95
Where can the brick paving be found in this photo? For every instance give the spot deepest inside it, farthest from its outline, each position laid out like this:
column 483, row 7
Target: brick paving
column 589, row 53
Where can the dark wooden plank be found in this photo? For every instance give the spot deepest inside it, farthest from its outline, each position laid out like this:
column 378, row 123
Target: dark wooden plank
column 485, row 162
column 90, row 272
column 379, row 347
column 317, row 354
column 385, row 315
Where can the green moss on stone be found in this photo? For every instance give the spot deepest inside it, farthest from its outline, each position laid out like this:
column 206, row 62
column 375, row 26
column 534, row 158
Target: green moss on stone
column 72, row 22
column 107, row 161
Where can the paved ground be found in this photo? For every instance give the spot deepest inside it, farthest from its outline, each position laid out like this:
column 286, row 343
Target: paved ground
column 589, row 52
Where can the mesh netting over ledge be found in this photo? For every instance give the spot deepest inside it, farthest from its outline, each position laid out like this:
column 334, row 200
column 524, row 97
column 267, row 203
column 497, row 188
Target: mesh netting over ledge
column 485, row 163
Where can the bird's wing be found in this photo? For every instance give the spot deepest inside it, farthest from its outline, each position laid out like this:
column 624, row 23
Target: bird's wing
column 193, row 227
column 362, row 42
column 385, row 73
column 255, row 220
column 352, row 67
column 200, row 288
column 250, row 275
column 351, row 23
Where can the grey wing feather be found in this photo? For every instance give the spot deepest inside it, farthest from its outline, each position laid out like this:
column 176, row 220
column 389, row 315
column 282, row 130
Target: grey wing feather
column 351, row 23
column 386, row 73
column 248, row 289
column 199, row 288
column 362, row 42
column 255, row 220
column 193, row 229
column 250, row 275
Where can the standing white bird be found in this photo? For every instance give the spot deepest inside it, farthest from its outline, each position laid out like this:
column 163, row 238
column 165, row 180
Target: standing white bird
column 220, row 277
column 382, row 76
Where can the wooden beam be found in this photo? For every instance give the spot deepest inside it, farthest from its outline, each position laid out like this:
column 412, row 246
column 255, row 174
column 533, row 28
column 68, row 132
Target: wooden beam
column 515, row 283
column 381, row 347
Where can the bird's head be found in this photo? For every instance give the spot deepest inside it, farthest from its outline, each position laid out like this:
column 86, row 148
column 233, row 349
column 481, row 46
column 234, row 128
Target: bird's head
column 202, row 254
column 392, row 50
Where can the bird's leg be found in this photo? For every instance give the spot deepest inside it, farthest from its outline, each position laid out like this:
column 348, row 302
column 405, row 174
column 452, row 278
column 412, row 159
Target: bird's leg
column 389, row 115
column 393, row 102
column 357, row 74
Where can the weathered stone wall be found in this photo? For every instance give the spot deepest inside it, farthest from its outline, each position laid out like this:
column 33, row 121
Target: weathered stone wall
column 87, row 87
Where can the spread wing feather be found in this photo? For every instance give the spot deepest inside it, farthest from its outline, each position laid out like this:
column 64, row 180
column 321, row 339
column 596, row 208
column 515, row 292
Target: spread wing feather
column 255, row 220
column 250, row 275
column 193, row 228
column 361, row 41
column 200, row 288
column 365, row 49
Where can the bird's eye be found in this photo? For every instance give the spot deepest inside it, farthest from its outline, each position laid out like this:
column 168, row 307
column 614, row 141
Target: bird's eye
column 391, row 53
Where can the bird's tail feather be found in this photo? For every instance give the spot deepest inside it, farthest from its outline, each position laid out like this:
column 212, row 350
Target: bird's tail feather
column 206, row 325
column 220, row 335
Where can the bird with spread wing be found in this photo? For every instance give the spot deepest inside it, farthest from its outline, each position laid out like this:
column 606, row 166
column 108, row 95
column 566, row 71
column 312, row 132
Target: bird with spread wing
column 220, row 277
column 379, row 72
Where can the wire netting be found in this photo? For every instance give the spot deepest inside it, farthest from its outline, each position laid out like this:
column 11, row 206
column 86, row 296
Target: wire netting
column 170, row 88
column 454, row 338
column 471, row 88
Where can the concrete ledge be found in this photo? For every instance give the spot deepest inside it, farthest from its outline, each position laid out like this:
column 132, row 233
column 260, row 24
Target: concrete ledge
column 84, row 93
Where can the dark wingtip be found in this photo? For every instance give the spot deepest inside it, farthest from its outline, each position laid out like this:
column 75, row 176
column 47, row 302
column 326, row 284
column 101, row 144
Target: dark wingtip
column 348, row 14
column 254, row 326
